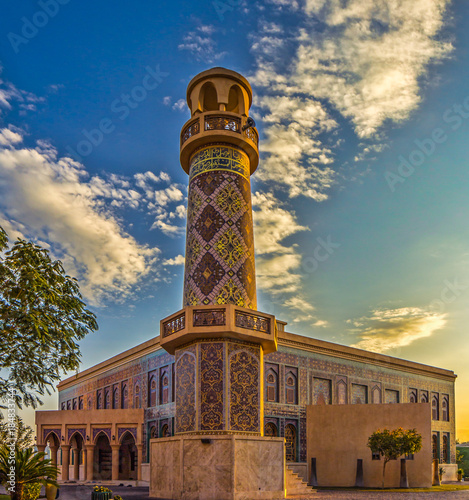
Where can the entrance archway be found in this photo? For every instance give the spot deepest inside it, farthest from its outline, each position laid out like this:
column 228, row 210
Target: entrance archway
column 128, row 458
column 102, row 458
column 76, row 444
column 290, row 443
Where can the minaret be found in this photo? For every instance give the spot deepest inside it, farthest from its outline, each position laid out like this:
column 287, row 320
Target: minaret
column 219, row 152
column 219, row 338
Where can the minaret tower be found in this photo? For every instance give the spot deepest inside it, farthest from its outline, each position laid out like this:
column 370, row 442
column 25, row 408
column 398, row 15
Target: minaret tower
column 219, row 338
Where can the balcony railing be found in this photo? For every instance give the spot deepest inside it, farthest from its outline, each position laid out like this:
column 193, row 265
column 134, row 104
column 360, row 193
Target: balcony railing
column 217, row 122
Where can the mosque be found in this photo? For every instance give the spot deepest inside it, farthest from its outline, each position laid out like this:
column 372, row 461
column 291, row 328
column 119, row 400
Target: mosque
column 226, row 402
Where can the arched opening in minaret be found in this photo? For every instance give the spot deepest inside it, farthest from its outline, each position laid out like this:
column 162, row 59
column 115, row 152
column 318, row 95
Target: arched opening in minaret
column 233, row 99
column 209, row 97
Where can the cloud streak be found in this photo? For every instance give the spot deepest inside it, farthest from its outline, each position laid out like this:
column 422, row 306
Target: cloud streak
column 387, row 329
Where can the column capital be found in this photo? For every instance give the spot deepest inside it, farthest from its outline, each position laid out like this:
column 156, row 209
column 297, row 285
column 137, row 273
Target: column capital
column 65, row 447
column 41, row 447
column 115, row 446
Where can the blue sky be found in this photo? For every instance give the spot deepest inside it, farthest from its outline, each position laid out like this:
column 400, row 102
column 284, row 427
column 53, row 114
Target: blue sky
column 360, row 198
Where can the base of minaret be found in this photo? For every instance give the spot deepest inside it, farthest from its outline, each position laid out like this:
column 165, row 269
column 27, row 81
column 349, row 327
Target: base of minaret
column 217, row 467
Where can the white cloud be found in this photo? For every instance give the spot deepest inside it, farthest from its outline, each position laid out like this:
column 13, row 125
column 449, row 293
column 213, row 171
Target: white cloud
column 388, row 329
column 49, row 198
column 179, row 260
column 272, row 224
column 180, row 105
column 200, row 44
column 9, row 137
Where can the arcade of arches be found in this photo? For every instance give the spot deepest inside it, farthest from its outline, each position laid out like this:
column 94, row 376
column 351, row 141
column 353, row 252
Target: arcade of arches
column 84, row 450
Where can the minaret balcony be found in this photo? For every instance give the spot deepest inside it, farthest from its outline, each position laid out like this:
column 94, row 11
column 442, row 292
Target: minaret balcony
column 218, row 126
column 225, row 321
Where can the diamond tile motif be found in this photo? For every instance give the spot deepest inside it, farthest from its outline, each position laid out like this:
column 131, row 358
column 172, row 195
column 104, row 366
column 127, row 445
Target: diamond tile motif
column 209, row 222
column 208, row 274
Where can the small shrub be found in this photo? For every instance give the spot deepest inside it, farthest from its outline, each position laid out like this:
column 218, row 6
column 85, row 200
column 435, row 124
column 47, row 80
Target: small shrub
column 32, row 491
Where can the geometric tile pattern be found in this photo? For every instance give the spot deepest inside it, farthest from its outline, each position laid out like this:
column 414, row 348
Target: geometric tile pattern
column 219, row 267
column 185, row 390
column 321, row 391
column 244, row 368
column 359, row 394
column 211, row 362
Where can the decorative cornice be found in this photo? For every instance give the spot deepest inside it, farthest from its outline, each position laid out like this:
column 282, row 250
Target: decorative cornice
column 358, row 355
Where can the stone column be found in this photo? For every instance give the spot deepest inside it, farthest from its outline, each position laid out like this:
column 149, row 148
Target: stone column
column 41, row 448
column 76, row 464
column 139, row 461
column 53, row 454
column 89, row 462
column 65, row 461
column 115, row 462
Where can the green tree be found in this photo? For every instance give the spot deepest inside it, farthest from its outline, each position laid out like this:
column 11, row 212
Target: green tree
column 42, row 316
column 29, row 468
column 392, row 444
column 22, row 433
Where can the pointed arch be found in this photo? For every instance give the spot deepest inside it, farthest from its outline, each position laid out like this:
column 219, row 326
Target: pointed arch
column 208, row 98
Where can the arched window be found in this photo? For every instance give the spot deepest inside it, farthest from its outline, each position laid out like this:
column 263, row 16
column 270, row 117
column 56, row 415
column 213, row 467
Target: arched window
column 124, row 396
column 164, row 387
column 165, row 431
column 445, row 449
column 435, row 408
column 137, row 396
column 107, row 398
column 75, row 404
column 209, row 96
column 99, row 400
column 270, row 430
column 413, row 397
column 290, row 388
column 290, row 443
column 80, row 403
column 69, row 405
column 435, row 447
column 341, row 392
column 424, row 398
column 115, row 398
column 272, row 386
column 376, row 395
column 445, row 409
column 63, row 406
column 152, row 390
column 153, row 432
column 90, row 403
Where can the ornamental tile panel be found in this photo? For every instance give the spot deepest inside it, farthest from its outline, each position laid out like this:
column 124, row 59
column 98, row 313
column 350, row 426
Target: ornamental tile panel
column 211, row 362
column 244, row 389
column 185, row 390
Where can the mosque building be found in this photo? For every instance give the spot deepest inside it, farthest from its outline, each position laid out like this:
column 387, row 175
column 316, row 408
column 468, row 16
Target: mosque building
column 226, row 402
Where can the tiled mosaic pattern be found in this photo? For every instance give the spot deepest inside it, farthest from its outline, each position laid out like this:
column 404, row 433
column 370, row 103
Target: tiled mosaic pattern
column 220, row 241
column 211, row 363
column 322, row 391
column 244, row 367
column 185, row 389
column 359, row 394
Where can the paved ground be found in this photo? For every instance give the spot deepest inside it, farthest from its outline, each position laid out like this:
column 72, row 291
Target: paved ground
column 80, row 492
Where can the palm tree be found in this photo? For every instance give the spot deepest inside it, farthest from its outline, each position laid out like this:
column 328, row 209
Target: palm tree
column 30, row 467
